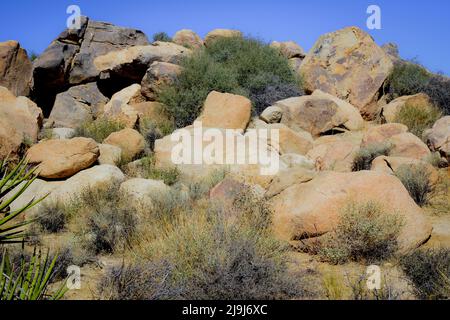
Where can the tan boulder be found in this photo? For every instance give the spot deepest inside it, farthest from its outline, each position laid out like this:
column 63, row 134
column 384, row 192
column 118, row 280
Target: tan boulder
column 158, row 75
column 20, row 122
column 15, row 68
column 129, row 140
column 271, row 114
column 58, row 159
column 139, row 192
column 390, row 111
column 313, row 208
column 291, row 141
column 349, row 65
column 336, row 152
column 289, row 49
column 188, row 38
column 118, row 62
column 295, row 64
column 109, row 154
column 220, row 33
column 409, row 146
column 319, row 113
column 381, row 133
column 288, row 178
column 438, row 137
column 390, row 165
column 226, row 111
column 119, row 107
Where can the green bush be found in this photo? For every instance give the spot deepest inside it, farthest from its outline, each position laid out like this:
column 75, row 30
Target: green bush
column 417, row 118
column 416, row 179
column 364, row 157
column 365, row 233
column 235, row 65
column 429, row 271
column 99, row 129
column 409, row 78
column 162, row 36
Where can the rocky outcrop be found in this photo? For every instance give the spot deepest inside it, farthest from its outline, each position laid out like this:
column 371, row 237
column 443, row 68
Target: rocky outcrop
column 226, row 111
column 381, row 133
column 77, row 105
column 188, row 38
column 349, row 65
column 130, row 141
column 290, row 141
column 438, row 137
column 158, row 75
column 319, row 113
column 20, row 122
column 58, row 159
column 409, row 146
column 69, row 60
column 15, row 68
column 313, row 208
column 220, row 33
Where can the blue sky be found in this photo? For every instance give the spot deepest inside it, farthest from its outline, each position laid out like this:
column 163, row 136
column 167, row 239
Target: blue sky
column 420, row 28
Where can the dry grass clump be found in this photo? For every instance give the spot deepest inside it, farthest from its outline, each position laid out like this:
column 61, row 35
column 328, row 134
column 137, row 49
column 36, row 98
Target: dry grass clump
column 99, row 129
column 365, row 233
column 429, row 271
column 417, row 180
column 145, row 168
column 364, row 157
column 418, row 118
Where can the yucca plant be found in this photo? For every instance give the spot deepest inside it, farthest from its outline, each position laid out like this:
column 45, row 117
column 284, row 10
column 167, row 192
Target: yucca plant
column 30, row 280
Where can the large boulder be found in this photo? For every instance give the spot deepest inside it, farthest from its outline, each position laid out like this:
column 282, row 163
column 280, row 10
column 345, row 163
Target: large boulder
column 109, row 154
column 389, row 112
column 20, row 122
column 77, row 105
column 188, row 38
column 130, row 64
column 349, row 65
column 438, row 137
column 15, row 68
column 130, row 141
column 158, row 75
column 58, row 159
column 313, row 208
column 119, row 107
column 139, row 193
column 319, row 113
column 220, row 33
column 409, row 146
column 226, row 111
column 289, row 49
column 335, row 152
column 381, row 133
column 290, row 141
column 69, row 60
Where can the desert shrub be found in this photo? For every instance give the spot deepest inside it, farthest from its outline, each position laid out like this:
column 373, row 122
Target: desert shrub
column 235, row 65
column 153, row 130
column 417, row 118
column 409, row 78
column 429, row 271
column 109, row 223
column 365, row 233
column 416, row 179
column 200, row 188
column 52, row 217
column 146, row 169
column 211, row 259
column 162, row 36
column 364, row 157
column 438, row 89
column 99, row 129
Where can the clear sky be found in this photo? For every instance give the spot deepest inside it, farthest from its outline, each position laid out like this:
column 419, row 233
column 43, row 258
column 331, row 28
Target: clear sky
column 420, row 28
